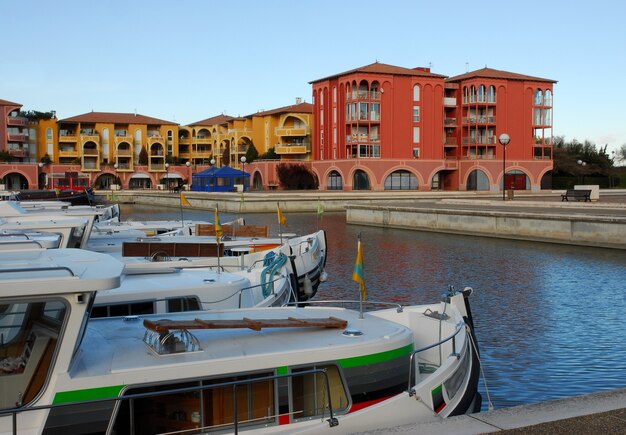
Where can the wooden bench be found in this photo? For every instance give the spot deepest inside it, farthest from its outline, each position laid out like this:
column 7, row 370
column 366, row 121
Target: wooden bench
column 577, row 194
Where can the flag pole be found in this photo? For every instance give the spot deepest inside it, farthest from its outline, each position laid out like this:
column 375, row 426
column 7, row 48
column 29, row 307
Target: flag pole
column 182, row 218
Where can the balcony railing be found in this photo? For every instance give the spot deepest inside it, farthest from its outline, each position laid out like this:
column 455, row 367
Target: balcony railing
column 292, row 131
column 90, row 152
column 68, row 138
column 449, row 122
column 202, row 140
column 124, row 152
column 479, row 140
column 20, row 137
column 295, row 148
column 479, row 120
column 450, row 142
column 362, row 95
column 68, row 152
column 184, row 140
column 17, row 121
column 449, row 101
column 19, row 152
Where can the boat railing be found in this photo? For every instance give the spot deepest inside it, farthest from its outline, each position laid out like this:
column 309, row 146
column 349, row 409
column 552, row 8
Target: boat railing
column 131, row 398
column 268, row 288
column 452, row 337
column 343, row 302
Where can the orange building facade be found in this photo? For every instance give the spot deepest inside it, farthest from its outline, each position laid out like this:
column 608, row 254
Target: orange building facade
column 383, row 127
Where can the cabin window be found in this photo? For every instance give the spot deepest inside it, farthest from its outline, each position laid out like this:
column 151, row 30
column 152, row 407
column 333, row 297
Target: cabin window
column 28, row 337
column 187, row 303
column 125, row 309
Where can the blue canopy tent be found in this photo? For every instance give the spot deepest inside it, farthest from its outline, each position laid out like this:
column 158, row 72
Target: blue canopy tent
column 224, row 179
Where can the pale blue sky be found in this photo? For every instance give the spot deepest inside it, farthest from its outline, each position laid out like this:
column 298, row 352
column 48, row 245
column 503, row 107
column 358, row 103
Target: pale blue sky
column 185, row 61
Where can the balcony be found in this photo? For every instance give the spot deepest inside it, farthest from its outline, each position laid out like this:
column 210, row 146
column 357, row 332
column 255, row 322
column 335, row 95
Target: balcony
column 20, row 137
column 184, row 141
column 479, row 120
column 123, row 139
column 449, row 122
column 362, row 95
column 19, row 152
column 125, row 152
column 295, row 148
column 290, row 131
column 479, row 140
column 71, row 138
column 90, row 152
column 450, row 142
column 449, row 101
column 17, row 121
column 68, row 152
column 202, row 154
column 202, row 140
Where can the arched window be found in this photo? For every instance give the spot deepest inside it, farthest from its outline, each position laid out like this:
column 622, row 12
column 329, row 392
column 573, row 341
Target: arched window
column 416, row 93
column 548, row 98
column 335, row 182
column 401, row 180
column 472, row 94
column 538, row 97
column 491, row 94
column 481, row 94
column 360, row 181
column 477, row 180
column 48, row 134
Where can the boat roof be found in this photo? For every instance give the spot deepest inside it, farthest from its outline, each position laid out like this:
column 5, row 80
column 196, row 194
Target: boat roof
column 114, row 345
column 163, row 283
column 56, row 271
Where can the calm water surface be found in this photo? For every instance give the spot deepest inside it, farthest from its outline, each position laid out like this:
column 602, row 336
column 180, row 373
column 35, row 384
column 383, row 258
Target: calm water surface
column 549, row 318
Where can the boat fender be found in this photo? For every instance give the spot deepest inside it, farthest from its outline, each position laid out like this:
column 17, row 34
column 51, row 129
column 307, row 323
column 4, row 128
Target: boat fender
column 308, row 286
column 323, row 276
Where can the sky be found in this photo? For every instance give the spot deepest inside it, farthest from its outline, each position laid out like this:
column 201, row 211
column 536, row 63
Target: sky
column 188, row 60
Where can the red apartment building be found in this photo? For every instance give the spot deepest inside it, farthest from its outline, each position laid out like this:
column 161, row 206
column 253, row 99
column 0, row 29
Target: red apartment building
column 384, row 127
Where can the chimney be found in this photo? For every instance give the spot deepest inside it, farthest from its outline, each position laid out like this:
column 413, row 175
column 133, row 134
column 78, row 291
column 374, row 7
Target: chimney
column 298, row 100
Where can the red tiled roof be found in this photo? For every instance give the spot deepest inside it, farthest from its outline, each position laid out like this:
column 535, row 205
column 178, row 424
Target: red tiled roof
column 8, row 103
column 116, row 118
column 216, row 120
column 382, row 68
column 299, row 108
column 490, row 73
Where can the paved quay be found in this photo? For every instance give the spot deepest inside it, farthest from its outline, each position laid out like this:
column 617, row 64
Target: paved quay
column 599, row 413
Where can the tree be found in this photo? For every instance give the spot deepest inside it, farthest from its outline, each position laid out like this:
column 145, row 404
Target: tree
column 143, row 157
column 620, row 155
column 226, row 156
column 270, row 155
column 251, row 154
column 296, row 176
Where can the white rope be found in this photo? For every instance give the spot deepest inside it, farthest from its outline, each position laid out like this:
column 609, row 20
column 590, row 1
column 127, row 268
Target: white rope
column 482, row 372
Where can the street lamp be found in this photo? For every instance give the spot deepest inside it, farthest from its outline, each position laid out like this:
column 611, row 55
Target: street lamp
column 115, row 166
column 243, row 169
column 504, row 140
column 167, row 176
column 581, row 174
column 188, row 164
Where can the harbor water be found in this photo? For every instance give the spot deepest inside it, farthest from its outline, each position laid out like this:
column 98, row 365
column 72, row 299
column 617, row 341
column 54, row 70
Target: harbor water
column 548, row 317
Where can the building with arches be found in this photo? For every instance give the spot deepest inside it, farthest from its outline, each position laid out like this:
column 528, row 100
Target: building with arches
column 384, row 127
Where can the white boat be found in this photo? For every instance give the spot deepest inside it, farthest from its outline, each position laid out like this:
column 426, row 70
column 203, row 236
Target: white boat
column 262, row 370
column 168, row 289
column 307, row 255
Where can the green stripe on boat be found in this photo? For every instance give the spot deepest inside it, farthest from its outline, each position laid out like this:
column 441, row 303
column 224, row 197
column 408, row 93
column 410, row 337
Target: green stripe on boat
column 376, row 357
column 89, row 394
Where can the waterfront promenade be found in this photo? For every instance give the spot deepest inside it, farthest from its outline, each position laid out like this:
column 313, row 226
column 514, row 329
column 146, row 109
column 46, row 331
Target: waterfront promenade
column 541, row 217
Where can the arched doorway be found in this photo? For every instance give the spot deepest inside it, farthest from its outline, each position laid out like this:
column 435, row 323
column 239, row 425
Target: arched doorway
column 477, row 180
column 334, row 181
column 516, row 180
column 15, row 181
column 257, row 181
column 360, row 180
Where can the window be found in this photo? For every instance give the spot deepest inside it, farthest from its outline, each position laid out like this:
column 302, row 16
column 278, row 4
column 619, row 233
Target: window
column 416, row 134
column 491, row 94
column 48, row 133
column 363, row 109
column 401, row 180
column 334, row 94
column 30, row 332
column 548, row 98
column 416, row 114
column 310, row 395
column 187, row 303
column 375, row 111
column 538, row 97
column 481, row 94
column 416, row 93
column 360, row 181
column 335, row 181
column 416, row 153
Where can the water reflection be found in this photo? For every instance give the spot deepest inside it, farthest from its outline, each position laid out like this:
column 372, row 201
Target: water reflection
column 548, row 317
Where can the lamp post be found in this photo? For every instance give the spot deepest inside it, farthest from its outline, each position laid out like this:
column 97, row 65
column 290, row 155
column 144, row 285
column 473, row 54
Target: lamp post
column 243, row 169
column 504, row 140
column 581, row 173
column 115, row 166
column 167, row 176
column 188, row 164
column 212, row 179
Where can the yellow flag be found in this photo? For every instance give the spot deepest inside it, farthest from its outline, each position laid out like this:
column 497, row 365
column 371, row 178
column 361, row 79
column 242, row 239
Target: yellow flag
column 281, row 218
column 357, row 275
column 183, row 201
column 218, row 226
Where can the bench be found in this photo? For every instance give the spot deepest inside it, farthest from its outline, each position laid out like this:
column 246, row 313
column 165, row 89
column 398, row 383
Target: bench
column 577, row 194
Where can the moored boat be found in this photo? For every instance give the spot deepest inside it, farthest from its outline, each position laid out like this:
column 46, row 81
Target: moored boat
column 305, row 369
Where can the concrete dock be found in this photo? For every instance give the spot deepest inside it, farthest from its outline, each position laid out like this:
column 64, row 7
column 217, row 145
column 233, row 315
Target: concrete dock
column 599, row 413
